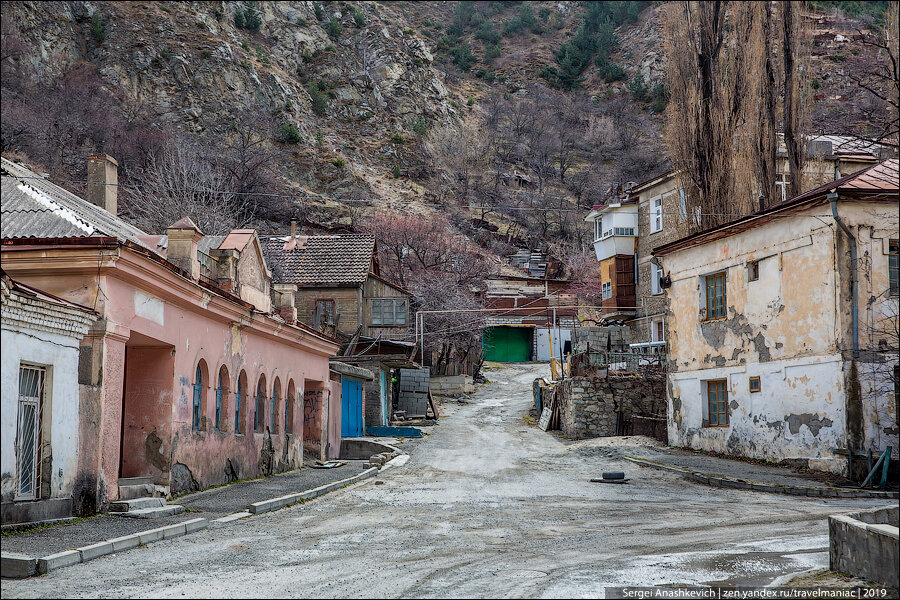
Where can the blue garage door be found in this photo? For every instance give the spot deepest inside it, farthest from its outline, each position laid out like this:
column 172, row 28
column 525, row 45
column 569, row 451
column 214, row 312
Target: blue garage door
column 351, row 408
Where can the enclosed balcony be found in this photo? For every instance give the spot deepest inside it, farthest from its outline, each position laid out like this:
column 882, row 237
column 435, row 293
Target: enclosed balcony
column 615, row 229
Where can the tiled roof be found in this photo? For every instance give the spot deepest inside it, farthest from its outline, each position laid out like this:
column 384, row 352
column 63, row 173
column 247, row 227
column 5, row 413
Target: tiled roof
column 32, row 207
column 320, row 260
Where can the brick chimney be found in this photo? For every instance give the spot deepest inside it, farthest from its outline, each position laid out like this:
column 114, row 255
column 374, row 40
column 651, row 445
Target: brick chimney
column 184, row 236
column 284, row 301
column 103, row 182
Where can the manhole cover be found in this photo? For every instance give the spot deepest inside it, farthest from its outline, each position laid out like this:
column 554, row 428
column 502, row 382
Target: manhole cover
column 527, row 573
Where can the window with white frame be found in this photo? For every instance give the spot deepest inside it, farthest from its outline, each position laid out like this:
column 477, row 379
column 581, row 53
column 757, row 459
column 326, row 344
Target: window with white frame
column 606, row 288
column 656, row 214
column 783, row 182
column 388, row 312
column 655, row 278
column 657, row 330
column 598, row 228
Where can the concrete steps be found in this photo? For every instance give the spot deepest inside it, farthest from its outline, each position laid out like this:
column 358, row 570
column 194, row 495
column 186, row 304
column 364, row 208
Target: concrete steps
column 152, row 513
column 131, row 488
column 136, row 504
column 138, row 500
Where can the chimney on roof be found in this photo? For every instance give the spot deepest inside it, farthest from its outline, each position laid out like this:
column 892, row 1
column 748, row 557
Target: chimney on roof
column 293, row 228
column 103, row 181
column 284, row 301
column 184, row 237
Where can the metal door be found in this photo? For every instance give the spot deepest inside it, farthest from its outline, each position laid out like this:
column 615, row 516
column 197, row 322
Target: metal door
column 351, row 408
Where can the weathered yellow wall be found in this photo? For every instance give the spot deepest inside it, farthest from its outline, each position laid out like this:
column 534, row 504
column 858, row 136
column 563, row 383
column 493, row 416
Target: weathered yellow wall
column 791, row 328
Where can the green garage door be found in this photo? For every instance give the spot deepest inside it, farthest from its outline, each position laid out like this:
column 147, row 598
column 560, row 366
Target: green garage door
column 507, row 344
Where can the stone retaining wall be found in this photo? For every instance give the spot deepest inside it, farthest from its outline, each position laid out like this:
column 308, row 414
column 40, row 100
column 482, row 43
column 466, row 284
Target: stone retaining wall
column 593, row 406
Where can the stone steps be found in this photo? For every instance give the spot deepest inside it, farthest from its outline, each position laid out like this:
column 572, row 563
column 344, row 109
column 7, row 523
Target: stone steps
column 152, row 513
column 136, row 504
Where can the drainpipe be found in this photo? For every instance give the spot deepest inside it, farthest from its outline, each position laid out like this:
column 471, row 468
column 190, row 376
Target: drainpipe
column 854, row 278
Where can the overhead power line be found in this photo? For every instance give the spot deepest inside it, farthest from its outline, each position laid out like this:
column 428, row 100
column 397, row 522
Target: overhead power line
column 369, row 202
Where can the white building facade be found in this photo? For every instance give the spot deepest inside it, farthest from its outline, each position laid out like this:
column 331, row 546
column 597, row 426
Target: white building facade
column 40, row 403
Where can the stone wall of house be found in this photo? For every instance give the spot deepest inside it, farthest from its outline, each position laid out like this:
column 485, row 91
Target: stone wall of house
column 594, row 406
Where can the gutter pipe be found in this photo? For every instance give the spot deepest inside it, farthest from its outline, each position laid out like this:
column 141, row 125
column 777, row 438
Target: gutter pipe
column 854, row 268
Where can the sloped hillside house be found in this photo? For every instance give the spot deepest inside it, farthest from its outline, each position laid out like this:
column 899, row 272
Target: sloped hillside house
column 339, row 291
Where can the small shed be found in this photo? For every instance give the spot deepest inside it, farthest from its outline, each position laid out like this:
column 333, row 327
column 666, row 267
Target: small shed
column 352, row 397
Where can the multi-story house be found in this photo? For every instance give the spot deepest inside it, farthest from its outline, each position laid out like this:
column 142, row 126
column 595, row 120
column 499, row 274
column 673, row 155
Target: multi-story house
column 782, row 326
column 662, row 217
column 339, row 291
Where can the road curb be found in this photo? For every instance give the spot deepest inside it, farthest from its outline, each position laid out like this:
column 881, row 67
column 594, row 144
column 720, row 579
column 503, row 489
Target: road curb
column 288, row 499
column 758, row 486
column 19, row 566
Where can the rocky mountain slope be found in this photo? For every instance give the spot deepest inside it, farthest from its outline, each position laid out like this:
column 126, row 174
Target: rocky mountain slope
column 344, row 92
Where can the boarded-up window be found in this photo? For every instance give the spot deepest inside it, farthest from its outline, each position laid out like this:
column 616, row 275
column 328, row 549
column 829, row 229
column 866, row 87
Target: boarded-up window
column 324, row 313
column 388, row 312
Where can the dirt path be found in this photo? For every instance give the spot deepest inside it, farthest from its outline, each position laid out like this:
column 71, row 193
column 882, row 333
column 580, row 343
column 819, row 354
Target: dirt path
column 486, row 506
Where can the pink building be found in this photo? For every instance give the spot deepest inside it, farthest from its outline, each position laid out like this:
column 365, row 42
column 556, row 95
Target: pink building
column 190, row 375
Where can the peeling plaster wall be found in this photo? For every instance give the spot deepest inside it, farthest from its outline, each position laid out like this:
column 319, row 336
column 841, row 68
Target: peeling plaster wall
column 141, row 304
column 788, row 327
column 798, row 413
column 874, row 226
column 59, row 353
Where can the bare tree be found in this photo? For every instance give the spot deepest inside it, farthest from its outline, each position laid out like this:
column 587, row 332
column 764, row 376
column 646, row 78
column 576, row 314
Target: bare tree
column 878, row 74
column 460, row 150
column 793, row 141
column 183, row 182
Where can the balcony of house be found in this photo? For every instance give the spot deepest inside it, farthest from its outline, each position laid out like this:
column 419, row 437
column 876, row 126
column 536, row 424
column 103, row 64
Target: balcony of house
column 615, row 230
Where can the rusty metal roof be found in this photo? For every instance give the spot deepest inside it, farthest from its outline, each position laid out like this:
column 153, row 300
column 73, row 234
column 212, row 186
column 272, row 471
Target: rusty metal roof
column 321, row 260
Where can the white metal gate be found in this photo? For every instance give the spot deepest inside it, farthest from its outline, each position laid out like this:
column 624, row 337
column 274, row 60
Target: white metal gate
column 28, row 433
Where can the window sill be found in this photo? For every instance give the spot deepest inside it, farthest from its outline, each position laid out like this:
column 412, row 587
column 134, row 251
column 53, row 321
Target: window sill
column 713, row 320
column 716, row 426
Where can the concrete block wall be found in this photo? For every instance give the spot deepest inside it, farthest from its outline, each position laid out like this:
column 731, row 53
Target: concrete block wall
column 414, row 385
column 615, row 339
column 590, row 406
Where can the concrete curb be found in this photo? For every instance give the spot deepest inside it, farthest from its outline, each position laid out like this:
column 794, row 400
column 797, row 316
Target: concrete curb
column 19, row 566
column 289, row 499
column 757, row 486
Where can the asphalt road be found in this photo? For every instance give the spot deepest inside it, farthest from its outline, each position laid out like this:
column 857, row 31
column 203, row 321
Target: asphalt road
column 487, row 506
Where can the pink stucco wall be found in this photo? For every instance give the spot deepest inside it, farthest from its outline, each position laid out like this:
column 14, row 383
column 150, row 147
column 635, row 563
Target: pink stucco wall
column 168, row 324
column 334, row 420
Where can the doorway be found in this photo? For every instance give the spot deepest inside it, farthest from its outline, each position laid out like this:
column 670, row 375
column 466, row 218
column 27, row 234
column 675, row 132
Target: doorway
column 147, row 404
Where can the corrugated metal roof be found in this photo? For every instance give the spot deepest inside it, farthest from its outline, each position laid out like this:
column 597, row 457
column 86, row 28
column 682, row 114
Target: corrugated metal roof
column 320, row 260
column 32, row 207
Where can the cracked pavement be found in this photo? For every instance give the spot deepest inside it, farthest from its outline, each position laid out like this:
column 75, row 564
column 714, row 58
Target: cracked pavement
column 486, row 506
